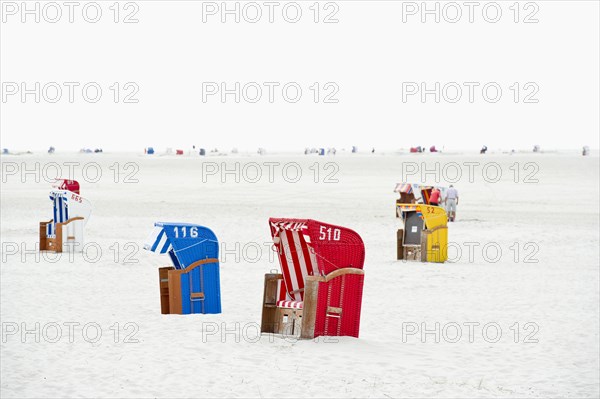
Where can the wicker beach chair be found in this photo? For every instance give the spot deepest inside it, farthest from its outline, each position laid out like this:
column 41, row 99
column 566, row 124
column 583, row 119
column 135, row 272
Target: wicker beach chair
column 192, row 284
column 71, row 212
column 319, row 289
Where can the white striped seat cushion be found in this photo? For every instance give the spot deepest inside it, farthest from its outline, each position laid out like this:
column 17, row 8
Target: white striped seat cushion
column 290, row 304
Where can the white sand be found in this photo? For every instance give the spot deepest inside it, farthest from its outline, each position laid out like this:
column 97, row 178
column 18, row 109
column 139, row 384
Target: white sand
column 174, row 358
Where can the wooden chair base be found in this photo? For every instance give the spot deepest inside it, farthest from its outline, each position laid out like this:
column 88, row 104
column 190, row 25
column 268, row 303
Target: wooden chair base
column 432, row 248
column 289, row 322
column 412, row 253
column 302, row 322
column 56, row 244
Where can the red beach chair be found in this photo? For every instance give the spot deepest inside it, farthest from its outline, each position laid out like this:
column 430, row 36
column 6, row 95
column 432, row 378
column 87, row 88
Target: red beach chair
column 319, row 291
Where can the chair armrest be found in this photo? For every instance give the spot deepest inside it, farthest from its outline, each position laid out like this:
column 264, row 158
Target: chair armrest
column 69, row 221
column 428, row 231
column 194, row 265
column 337, row 273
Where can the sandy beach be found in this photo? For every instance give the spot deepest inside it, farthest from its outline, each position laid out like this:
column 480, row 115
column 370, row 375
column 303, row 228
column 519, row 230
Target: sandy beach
column 513, row 313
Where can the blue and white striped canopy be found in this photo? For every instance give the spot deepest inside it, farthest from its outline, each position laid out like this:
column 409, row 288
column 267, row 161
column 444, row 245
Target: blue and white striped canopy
column 158, row 241
column 185, row 243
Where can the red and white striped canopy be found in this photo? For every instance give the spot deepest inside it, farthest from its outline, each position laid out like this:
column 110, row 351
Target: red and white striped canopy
column 403, row 188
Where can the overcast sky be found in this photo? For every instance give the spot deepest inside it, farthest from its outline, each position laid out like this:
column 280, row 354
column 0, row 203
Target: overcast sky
column 366, row 72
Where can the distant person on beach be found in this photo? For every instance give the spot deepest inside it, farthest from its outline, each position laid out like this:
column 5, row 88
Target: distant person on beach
column 435, row 197
column 483, row 149
column 451, row 202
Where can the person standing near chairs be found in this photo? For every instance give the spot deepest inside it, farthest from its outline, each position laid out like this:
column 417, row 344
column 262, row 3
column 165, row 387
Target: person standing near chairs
column 451, row 202
column 435, row 197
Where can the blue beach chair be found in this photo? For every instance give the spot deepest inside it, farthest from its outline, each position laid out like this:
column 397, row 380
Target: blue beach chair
column 192, row 284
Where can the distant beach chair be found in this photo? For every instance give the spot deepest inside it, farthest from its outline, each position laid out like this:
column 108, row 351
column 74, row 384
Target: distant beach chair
column 71, row 213
column 192, row 284
column 417, row 193
column 319, row 291
column 424, row 235
column 407, row 195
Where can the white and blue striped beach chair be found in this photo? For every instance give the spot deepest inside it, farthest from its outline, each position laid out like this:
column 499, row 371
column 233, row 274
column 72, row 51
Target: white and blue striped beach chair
column 70, row 215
